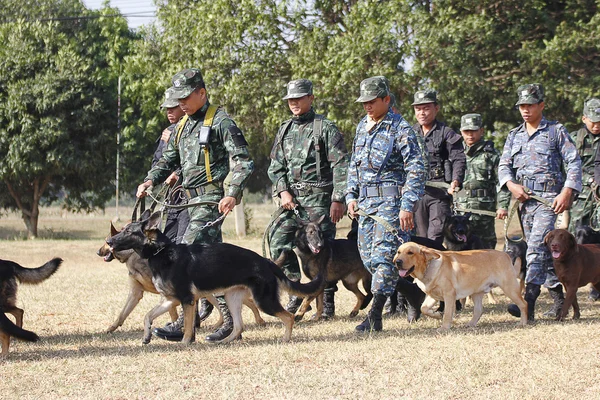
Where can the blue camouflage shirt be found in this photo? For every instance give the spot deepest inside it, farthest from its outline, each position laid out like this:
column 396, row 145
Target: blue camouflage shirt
column 540, row 157
column 387, row 155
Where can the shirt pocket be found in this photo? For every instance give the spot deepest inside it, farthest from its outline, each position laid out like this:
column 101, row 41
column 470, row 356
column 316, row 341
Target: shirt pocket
column 379, row 151
column 516, row 153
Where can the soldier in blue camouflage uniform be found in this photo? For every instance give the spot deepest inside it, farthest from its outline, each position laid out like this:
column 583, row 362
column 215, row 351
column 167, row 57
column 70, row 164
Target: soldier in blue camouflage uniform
column 386, row 176
column 308, row 170
column 531, row 163
column 447, row 163
column 205, row 139
column 481, row 178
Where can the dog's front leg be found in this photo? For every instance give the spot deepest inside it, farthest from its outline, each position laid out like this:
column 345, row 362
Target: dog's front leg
column 136, row 292
column 427, row 307
column 570, row 299
column 450, row 301
column 158, row 310
column 189, row 321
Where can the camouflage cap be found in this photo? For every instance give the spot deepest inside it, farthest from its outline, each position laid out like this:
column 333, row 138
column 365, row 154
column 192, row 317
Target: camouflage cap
column 373, row 88
column 298, row 88
column 530, row 94
column 425, row 97
column 591, row 109
column 186, row 81
column 470, row 122
column 170, row 100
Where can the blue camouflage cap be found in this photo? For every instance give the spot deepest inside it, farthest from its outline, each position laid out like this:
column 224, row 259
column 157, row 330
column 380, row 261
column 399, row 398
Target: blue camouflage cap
column 170, row 100
column 532, row 93
column 186, row 81
column 298, row 88
column 425, row 97
column 373, row 88
column 470, row 122
column 591, row 109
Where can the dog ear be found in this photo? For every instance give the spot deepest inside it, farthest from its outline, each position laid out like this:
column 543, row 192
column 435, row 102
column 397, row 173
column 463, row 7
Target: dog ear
column 548, row 238
column 113, row 230
column 154, row 221
column 320, row 220
column 145, row 215
column 467, row 215
column 430, row 254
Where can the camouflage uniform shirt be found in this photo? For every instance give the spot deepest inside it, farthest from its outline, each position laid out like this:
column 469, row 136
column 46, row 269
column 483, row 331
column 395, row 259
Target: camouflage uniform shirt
column 584, row 206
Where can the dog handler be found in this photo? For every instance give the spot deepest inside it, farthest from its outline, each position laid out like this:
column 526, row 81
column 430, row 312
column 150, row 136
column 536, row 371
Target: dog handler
column 386, row 176
column 531, row 164
column 308, row 169
column 205, row 139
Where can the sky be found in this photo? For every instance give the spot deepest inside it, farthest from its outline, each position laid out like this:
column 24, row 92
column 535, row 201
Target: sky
column 137, row 12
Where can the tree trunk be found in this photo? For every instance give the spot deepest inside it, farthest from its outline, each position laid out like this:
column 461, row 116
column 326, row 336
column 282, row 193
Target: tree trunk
column 30, row 217
column 31, row 222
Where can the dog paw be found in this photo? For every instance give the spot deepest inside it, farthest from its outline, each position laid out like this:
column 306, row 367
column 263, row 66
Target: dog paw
column 353, row 314
column 298, row 317
column 146, row 341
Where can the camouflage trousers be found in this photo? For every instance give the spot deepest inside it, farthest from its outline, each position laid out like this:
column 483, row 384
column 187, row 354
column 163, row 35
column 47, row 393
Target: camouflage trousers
column 377, row 246
column 283, row 231
column 484, row 227
column 584, row 211
column 199, row 216
column 538, row 220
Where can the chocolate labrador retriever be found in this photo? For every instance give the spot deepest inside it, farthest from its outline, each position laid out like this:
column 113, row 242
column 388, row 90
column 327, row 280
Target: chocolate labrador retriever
column 576, row 265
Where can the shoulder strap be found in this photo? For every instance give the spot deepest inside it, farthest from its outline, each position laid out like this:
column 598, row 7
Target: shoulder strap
column 552, row 135
column 317, row 131
column 207, row 124
column 179, row 129
column 580, row 139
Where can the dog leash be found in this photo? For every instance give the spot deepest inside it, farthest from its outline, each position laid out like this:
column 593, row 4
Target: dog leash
column 388, row 227
column 514, row 209
column 266, row 241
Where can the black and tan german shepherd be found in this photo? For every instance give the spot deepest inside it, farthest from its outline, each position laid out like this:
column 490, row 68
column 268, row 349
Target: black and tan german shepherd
column 457, row 234
column 10, row 272
column 339, row 258
column 140, row 281
column 184, row 273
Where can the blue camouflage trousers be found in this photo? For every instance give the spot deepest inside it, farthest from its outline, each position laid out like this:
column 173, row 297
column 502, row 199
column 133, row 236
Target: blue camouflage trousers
column 376, row 245
column 538, row 220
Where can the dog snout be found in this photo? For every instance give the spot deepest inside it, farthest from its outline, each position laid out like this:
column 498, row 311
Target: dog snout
column 398, row 263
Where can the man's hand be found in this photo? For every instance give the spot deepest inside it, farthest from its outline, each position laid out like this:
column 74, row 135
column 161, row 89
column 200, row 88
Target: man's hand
column 406, row 220
column 166, row 134
column 172, row 179
column 563, row 201
column 518, row 191
column 287, row 200
column 141, row 189
column 454, row 186
column 352, row 208
column 501, row 213
column 226, row 204
column 336, row 211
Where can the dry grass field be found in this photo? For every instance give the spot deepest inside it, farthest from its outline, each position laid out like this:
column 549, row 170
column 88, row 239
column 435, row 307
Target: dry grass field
column 325, row 360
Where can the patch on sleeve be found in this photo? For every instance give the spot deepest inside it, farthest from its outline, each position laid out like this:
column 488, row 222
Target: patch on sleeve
column 237, row 136
column 338, row 142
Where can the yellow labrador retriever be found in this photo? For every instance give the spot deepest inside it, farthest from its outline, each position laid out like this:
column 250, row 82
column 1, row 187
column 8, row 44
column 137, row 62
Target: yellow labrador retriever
column 452, row 275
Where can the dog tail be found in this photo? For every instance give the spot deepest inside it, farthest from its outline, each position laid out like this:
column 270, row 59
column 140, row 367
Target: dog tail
column 37, row 275
column 13, row 330
column 311, row 288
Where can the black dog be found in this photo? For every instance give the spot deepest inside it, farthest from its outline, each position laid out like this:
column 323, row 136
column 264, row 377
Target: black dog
column 587, row 235
column 184, row 273
column 339, row 258
column 517, row 250
column 458, row 235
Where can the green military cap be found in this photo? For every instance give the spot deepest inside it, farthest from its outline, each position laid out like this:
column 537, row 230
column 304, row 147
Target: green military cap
column 425, row 96
column 470, row 122
column 372, row 88
column 186, row 81
column 298, row 88
column 170, row 100
column 591, row 109
column 530, row 94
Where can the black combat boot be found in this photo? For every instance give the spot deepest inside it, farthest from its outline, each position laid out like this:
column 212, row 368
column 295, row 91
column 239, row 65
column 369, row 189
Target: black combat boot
column 293, row 304
column 532, row 291
column 559, row 299
column 227, row 327
column 329, row 303
column 414, row 298
column 173, row 331
column 594, row 294
column 373, row 320
column 204, row 310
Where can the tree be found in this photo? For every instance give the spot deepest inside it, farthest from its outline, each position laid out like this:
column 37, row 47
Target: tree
column 58, row 116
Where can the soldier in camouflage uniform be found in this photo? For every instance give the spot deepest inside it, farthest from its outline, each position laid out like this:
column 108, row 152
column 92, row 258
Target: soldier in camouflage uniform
column 531, row 163
column 386, row 176
column 481, row 178
column 205, row 139
column 308, row 170
column 447, row 163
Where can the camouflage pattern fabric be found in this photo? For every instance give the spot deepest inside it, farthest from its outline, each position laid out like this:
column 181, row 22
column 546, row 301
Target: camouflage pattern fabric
column 584, row 207
column 199, row 217
column 479, row 190
column 387, row 156
column 536, row 160
column 293, row 161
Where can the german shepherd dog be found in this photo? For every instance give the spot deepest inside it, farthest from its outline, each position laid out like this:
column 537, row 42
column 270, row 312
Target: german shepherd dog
column 458, row 235
column 140, row 281
column 184, row 273
column 10, row 272
column 339, row 259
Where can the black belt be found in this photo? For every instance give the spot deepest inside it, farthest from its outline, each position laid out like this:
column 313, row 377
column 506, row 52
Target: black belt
column 479, row 192
column 310, row 190
column 204, row 189
column 380, row 191
column 550, row 186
